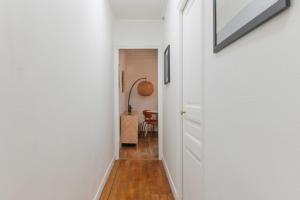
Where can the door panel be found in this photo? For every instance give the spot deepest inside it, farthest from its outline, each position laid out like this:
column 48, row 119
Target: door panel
column 192, row 101
column 193, row 191
column 193, row 113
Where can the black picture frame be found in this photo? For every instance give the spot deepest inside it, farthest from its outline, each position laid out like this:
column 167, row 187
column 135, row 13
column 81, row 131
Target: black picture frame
column 167, row 67
column 266, row 15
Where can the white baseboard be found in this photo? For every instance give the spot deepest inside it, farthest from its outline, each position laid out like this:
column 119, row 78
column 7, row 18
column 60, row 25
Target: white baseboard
column 104, row 180
column 172, row 184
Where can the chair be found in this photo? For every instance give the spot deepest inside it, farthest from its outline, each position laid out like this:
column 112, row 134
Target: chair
column 149, row 120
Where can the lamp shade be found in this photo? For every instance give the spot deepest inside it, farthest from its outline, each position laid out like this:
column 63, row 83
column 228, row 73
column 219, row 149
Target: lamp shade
column 145, row 88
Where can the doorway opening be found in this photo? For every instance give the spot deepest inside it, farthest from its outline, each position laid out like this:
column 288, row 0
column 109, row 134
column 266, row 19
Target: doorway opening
column 138, row 104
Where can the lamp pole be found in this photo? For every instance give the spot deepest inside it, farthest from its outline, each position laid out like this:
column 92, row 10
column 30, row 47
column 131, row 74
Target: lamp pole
column 129, row 107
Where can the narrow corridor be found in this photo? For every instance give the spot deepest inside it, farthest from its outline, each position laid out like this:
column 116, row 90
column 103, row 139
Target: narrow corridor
column 150, row 100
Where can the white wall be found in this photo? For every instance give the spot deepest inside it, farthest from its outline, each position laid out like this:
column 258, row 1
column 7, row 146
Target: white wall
column 251, row 110
column 138, row 33
column 56, row 98
column 172, row 102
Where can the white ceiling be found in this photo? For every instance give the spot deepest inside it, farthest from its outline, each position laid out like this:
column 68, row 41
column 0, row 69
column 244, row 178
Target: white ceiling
column 138, row 9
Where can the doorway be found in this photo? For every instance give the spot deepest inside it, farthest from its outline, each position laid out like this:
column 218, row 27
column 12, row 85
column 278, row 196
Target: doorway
column 138, row 104
column 192, row 100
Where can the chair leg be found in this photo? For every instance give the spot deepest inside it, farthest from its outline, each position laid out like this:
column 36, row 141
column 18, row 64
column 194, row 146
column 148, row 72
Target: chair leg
column 146, row 129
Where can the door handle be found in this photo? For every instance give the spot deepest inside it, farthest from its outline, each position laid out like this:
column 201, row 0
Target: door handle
column 182, row 112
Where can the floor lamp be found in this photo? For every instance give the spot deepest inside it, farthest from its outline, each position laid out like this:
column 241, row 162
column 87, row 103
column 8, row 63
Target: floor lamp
column 129, row 107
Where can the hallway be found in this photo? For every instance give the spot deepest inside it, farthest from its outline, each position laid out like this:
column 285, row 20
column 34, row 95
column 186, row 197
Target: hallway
column 218, row 81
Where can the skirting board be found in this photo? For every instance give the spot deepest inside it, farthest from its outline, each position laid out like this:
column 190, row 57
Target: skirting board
column 104, row 180
column 172, row 184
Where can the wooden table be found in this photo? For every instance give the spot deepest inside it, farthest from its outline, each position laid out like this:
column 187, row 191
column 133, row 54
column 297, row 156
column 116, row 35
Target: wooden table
column 153, row 112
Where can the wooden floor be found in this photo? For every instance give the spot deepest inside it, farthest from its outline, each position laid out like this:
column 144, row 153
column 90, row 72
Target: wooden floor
column 147, row 149
column 139, row 175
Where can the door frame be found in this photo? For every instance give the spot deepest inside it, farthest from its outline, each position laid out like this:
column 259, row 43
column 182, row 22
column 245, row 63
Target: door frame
column 160, row 83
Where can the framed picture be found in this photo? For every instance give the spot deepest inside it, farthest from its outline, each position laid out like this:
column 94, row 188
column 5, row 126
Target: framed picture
column 167, row 77
column 235, row 18
column 123, row 81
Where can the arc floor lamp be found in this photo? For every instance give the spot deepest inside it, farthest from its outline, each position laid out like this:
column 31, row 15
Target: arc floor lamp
column 129, row 107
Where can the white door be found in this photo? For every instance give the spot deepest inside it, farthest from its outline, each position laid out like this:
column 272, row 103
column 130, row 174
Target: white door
column 192, row 101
